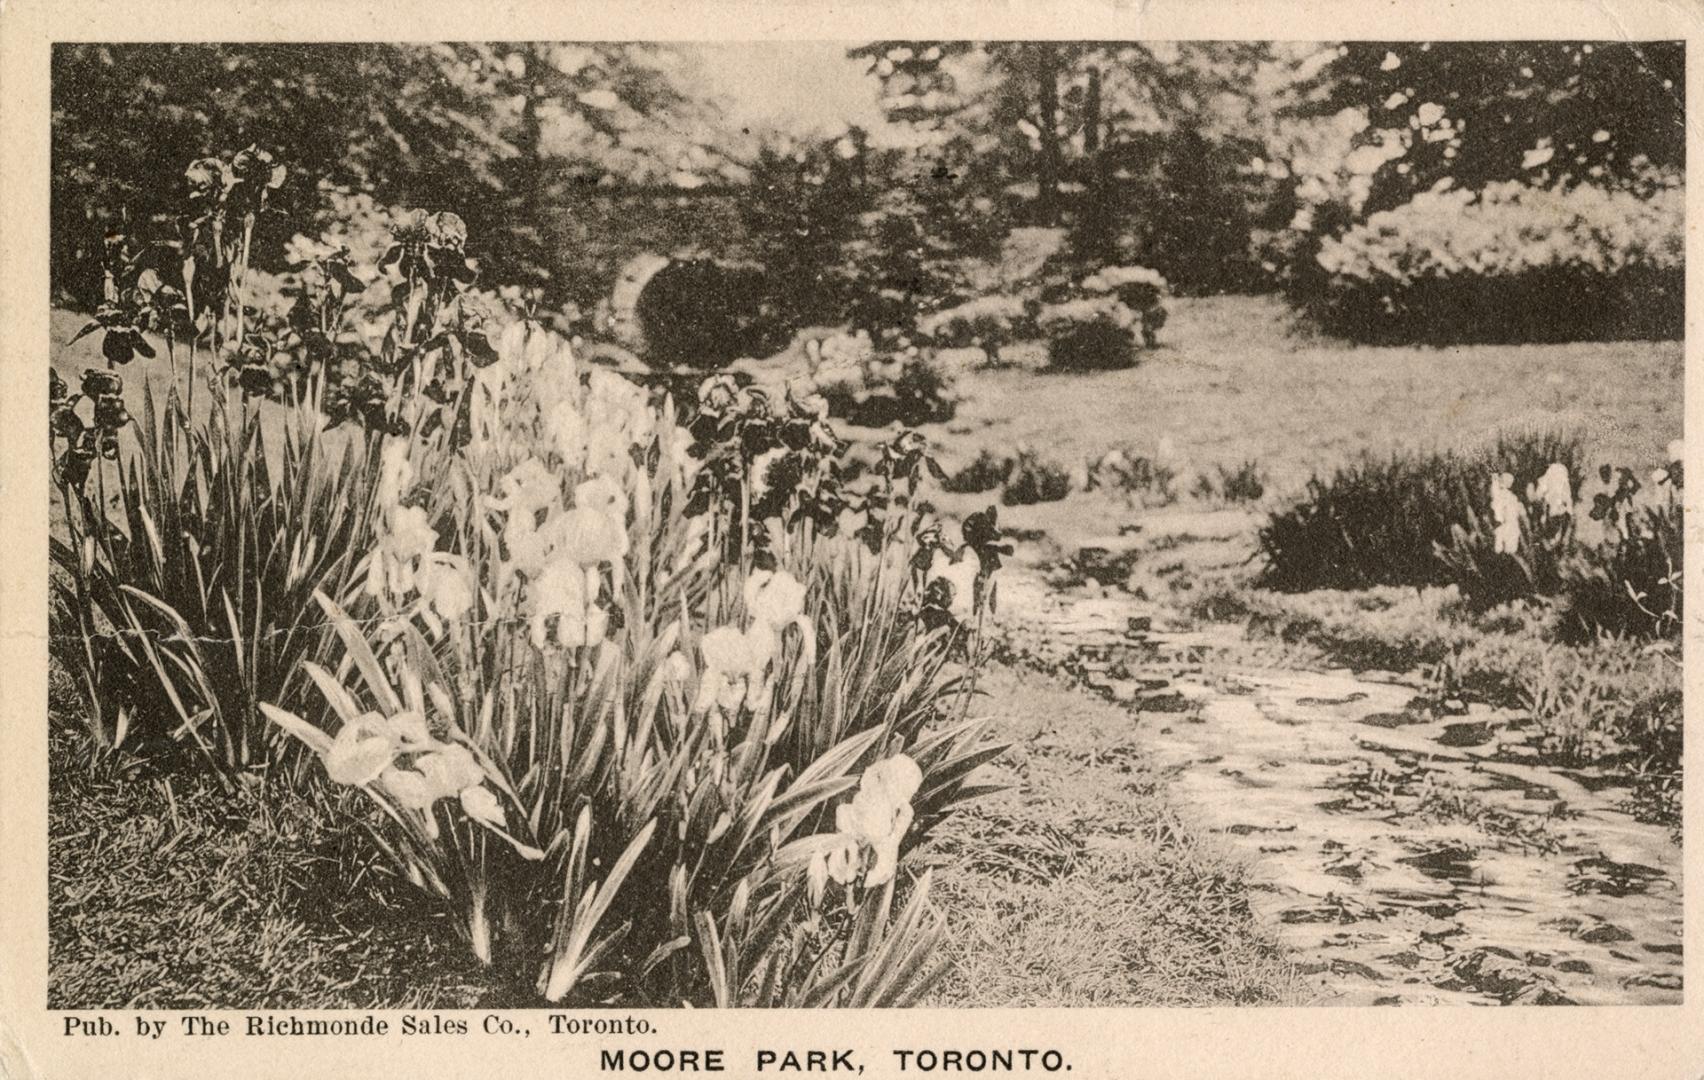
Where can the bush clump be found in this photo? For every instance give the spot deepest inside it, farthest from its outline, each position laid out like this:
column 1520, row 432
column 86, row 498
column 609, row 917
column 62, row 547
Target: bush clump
column 870, row 388
column 1381, row 521
column 1130, row 472
column 1089, row 334
column 987, row 321
column 1138, row 288
column 1510, row 263
column 703, row 314
column 987, row 473
column 1243, row 483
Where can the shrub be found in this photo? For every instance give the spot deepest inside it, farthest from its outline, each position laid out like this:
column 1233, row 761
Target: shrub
column 987, row 321
column 1138, row 288
column 1630, row 585
column 806, row 213
column 988, row 472
column 1035, row 480
column 1089, row 334
column 1383, row 521
column 1510, row 263
column 704, row 314
column 870, row 389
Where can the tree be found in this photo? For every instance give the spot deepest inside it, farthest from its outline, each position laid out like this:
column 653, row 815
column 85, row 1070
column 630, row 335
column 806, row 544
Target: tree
column 1137, row 146
column 1546, row 112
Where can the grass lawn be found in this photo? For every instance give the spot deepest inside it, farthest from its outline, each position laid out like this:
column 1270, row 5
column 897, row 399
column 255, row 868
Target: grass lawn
column 1080, row 884
column 1231, row 382
column 166, row 893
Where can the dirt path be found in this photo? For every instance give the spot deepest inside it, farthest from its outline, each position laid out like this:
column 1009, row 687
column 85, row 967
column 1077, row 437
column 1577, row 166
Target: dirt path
column 1402, row 857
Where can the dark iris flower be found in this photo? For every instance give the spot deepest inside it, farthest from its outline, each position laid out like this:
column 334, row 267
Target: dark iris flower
column 122, row 344
column 255, row 380
column 982, row 534
column 97, row 383
column 430, row 246
column 257, row 168
column 110, row 412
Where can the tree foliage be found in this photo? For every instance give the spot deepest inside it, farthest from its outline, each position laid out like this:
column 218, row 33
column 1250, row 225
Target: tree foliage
column 473, row 128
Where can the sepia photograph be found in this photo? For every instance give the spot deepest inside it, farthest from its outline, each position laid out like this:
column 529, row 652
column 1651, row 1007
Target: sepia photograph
column 951, row 523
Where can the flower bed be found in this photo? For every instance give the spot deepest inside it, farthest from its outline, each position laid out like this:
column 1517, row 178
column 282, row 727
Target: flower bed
column 653, row 707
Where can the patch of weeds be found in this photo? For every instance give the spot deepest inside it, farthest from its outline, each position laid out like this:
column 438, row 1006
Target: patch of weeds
column 1443, row 803
column 1128, row 472
column 1604, row 703
column 1246, row 483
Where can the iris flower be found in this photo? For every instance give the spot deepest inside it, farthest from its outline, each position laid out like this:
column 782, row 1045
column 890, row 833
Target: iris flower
column 735, row 663
column 870, row 827
column 1506, row 511
column 774, row 598
column 959, row 574
column 1554, row 491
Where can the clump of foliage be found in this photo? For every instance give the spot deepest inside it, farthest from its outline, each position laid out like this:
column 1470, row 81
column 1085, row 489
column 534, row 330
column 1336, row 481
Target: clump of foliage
column 1139, row 289
column 986, row 473
column 703, row 313
column 183, row 582
column 987, row 322
column 611, row 642
column 1507, row 523
column 1089, row 334
column 875, row 388
column 1626, row 581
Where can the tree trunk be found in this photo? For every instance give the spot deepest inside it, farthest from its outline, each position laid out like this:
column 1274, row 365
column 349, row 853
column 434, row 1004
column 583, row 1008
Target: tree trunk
column 1047, row 170
column 1097, row 218
column 1092, row 115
